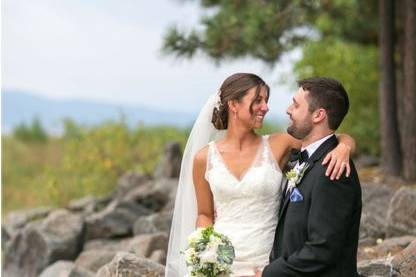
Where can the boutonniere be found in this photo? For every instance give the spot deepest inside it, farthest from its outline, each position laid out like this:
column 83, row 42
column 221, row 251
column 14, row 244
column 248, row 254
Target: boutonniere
column 294, row 176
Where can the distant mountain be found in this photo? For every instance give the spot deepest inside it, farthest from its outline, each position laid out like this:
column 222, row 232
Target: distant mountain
column 18, row 107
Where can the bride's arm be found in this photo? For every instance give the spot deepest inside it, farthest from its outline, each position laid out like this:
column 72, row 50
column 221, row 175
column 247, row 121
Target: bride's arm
column 203, row 193
column 337, row 159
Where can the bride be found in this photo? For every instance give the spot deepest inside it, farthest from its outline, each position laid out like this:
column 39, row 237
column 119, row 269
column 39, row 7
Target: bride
column 231, row 177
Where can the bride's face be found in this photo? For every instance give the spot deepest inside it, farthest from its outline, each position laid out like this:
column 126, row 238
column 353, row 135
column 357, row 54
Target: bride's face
column 252, row 118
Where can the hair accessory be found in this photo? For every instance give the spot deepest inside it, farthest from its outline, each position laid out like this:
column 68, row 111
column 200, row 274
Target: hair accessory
column 218, row 100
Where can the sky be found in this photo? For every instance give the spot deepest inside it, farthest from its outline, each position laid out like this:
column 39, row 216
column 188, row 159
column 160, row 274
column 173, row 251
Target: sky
column 110, row 51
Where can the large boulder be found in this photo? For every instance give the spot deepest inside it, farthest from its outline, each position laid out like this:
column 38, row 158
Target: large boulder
column 37, row 245
column 93, row 260
column 154, row 195
column 116, row 220
column 65, row 269
column 388, row 247
column 89, row 204
column 170, row 164
column 159, row 222
column 141, row 245
column 401, row 217
column 375, row 198
column 16, row 220
column 128, row 264
column 376, row 267
column 404, row 263
column 128, row 182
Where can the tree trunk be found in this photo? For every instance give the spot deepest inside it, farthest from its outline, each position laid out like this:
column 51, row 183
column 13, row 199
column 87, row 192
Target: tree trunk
column 408, row 132
column 390, row 138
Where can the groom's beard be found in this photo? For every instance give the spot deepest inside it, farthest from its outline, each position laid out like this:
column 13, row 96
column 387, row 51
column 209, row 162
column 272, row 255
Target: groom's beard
column 300, row 132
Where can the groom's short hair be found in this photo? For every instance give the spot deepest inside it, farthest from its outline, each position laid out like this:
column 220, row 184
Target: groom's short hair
column 329, row 94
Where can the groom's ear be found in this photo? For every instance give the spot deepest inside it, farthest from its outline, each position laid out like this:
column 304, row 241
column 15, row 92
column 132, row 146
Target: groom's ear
column 319, row 115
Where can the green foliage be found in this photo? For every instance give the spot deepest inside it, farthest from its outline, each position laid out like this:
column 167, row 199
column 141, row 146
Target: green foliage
column 262, row 29
column 356, row 66
column 83, row 161
column 30, row 133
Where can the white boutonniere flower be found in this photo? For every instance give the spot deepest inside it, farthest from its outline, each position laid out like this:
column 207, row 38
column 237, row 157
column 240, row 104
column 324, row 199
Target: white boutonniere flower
column 294, row 176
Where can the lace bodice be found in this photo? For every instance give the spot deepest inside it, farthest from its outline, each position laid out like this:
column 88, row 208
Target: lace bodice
column 246, row 208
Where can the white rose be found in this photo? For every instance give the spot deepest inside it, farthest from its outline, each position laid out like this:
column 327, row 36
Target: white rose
column 209, row 255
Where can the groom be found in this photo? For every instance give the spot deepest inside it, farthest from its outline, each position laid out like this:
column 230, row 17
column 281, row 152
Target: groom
column 319, row 218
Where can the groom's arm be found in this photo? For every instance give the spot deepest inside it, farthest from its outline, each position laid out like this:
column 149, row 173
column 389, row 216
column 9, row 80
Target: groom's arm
column 332, row 206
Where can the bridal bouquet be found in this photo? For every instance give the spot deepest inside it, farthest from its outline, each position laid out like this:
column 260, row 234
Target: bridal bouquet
column 209, row 253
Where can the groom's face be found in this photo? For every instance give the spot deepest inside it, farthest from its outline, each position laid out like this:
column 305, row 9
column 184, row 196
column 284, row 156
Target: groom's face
column 300, row 117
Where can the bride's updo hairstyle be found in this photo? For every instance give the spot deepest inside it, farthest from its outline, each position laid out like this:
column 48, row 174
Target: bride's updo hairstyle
column 235, row 87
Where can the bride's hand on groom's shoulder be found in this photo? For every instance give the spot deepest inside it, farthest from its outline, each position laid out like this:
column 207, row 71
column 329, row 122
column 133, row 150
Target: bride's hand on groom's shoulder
column 338, row 162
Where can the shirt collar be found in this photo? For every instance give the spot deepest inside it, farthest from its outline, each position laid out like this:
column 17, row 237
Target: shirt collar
column 311, row 148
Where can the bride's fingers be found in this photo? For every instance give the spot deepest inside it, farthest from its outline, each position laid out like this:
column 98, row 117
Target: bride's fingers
column 326, row 159
column 336, row 169
column 330, row 166
column 348, row 170
column 341, row 170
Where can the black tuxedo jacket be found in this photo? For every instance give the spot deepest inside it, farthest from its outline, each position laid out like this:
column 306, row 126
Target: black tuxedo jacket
column 318, row 236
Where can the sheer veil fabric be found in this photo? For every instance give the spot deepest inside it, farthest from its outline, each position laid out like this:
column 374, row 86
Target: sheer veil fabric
column 185, row 211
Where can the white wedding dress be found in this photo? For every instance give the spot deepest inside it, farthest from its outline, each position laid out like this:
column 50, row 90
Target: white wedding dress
column 246, row 208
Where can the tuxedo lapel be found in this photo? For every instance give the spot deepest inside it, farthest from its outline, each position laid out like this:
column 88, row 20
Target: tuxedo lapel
column 324, row 148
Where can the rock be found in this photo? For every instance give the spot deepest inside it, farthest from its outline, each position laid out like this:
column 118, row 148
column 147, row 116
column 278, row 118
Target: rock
column 405, row 262
column 5, row 237
column 65, row 269
column 388, row 247
column 154, row 223
column 170, row 164
column 105, row 244
column 94, row 259
column 141, row 245
column 154, row 195
column 114, row 221
column 128, row 182
column 158, row 256
column 377, row 267
column 81, row 272
column 58, row 269
column 58, row 237
column 128, row 264
column 145, row 245
column 401, row 218
column 374, row 213
column 18, row 219
column 87, row 205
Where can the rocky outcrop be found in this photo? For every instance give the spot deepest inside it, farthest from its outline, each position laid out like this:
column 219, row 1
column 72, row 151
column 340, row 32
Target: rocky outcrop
column 401, row 216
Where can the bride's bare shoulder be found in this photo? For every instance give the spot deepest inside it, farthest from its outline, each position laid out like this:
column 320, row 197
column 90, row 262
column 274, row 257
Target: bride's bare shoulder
column 284, row 140
column 201, row 156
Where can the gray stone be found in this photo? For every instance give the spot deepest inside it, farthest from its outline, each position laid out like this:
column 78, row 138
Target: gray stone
column 65, row 269
column 375, row 198
column 401, row 218
column 376, row 267
column 58, row 269
column 158, row 256
column 405, row 262
column 170, row 164
column 128, row 182
column 19, row 218
column 37, row 245
column 128, row 264
column 154, row 223
column 115, row 221
column 94, row 259
column 154, row 195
